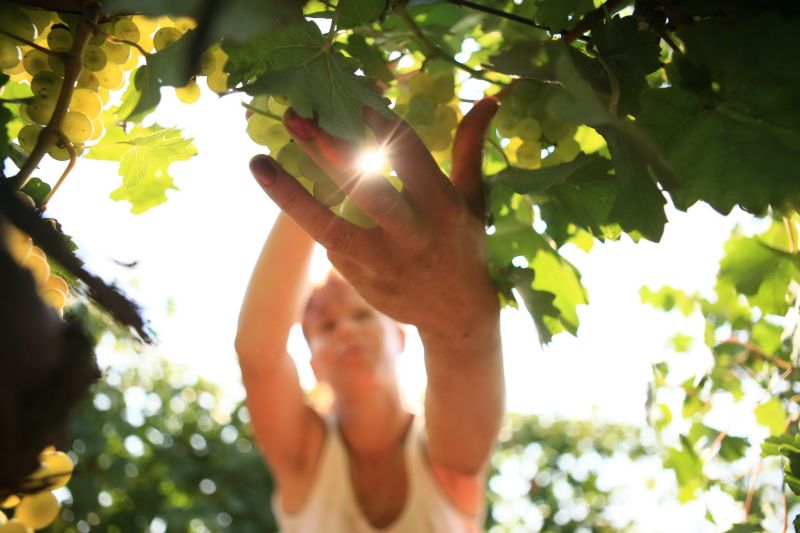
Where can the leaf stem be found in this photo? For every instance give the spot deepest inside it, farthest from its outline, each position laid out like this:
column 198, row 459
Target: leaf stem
column 332, row 30
column 499, row 148
column 614, row 82
column 500, row 13
column 73, row 66
column 598, row 13
column 73, row 159
column 261, row 112
column 32, row 44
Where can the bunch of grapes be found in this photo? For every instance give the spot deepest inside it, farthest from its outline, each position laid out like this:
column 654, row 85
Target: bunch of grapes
column 37, row 507
column 52, row 289
column 264, row 127
column 535, row 137
column 429, row 104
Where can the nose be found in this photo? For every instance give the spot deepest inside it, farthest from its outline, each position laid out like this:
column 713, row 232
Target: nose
column 346, row 328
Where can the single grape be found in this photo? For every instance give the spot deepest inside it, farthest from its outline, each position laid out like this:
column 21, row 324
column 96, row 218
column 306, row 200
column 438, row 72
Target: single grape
column 349, row 211
column 15, row 22
column 37, row 510
column 35, row 61
column 133, row 61
column 58, row 283
column 94, row 58
column 59, row 153
column 442, row 88
column 328, row 193
column 88, row 80
column 40, row 17
column 311, row 170
column 421, row 109
column 189, row 93
column 98, row 129
column 99, row 37
column 218, row 82
column 36, row 262
column 555, row 129
column 87, row 102
column 446, row 117
column 568, row 149
column 19, row 243
column 442, row 136
column 77, row 127
column 529, row 154
column 419, row 83
column 28, row 136
column 56, row 300
column 10, row 55
column 289, row 158
column 166, row 37
column 46, row 84
column 111, row 77
column 56, row 64
column 118, row 53
column 40, row 110
column 126, row 29
column 276, row 136
column 529, row 129
column 257, row 126
column 277, row 107
column 56, row 467
column 59, row 39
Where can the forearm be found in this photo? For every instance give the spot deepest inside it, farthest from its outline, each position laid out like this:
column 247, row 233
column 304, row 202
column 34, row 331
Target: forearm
column 465, row 400
column 275, row 292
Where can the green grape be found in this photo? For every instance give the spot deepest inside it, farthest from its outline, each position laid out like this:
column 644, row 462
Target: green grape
column 35, row 61
column 9, row 53
column 94, row 58
column 126, row 29
column 419, row 83
column 328, row 193
column 40, row 110
column 98, row 129
column 87, row 102
column 111, row 77
column 59, row 153
column 529, row 154
column 56, row 64
column 257, row 126
column 276, row 107
column 260, row 102
column 40, row 18
column 118, row 53
column 529, row 129
column 99, row 37
column 289, row 158
column 426, row 134
column 442, row 137
column 282, row 100
column 28, row 136
column 218, row 82
column 88, row 80
column 276, row 136
column 46, row 84
column 446, row 117
column 77, row 127
column 17, row 23
column 442, row 88
column 421, row 109
column 208, row 63
column 555, row 129
column 349, row 211
column 311, row 170
column 568, row 149
column 165, row 37
column 189, row 93
column 506, row 120
column 59, row 39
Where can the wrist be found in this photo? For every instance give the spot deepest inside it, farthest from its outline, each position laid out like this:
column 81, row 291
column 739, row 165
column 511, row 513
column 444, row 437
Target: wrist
column 479, row 334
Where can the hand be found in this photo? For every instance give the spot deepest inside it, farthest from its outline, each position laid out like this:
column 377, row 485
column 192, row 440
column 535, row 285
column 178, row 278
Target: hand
column 424, row 263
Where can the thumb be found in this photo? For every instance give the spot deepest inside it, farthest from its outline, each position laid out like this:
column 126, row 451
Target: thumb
column 466, row 171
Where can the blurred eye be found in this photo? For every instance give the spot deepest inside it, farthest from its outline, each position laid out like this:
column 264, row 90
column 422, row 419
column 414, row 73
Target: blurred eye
column 362, row 314
column 327, row 326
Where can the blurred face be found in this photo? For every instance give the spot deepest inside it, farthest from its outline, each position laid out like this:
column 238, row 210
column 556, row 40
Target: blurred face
column 349, row 340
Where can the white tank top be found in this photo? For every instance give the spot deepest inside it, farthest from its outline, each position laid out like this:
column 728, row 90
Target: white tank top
column 332, row 506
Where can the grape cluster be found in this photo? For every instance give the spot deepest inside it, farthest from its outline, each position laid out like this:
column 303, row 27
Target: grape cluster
column 52, row 289
column 429, row 104
column 265, row 128
column 37, row 508
column 113, row 51
column 536, row 138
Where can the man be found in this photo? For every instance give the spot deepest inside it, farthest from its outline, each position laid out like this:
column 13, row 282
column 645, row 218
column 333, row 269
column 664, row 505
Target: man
column 369, row 465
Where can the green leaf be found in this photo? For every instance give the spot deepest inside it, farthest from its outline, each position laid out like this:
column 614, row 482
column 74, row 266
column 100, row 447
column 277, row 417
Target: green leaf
column 741, row 122
column 320, row 82
column 372, row 60
column 639, row 205
column 522, row 180
column 17, row 154
column 688, row 468
column 772, row 415
column 559, row 15
column 354, row 13
column 141, row 97
column 37, row 190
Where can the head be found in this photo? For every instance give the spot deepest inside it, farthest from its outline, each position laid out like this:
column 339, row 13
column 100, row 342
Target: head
column 352, row 344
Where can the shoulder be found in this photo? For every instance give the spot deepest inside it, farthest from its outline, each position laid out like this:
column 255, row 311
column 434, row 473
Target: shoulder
column 464, row 490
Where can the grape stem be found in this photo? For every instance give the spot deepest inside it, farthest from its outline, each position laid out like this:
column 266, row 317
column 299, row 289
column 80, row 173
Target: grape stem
column 73, row 65
column 499, row 148
column 117, row 40
column 26, row 42
column 500, row 13
column 432, row 51
column 73, row 159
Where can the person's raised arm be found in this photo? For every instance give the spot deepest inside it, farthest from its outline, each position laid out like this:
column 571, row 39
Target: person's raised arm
column 423, row 263
column 280, row 416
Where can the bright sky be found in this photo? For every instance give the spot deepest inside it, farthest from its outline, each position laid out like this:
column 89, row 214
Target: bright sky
column 196, row 252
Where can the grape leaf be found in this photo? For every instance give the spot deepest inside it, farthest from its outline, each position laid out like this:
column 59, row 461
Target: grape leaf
column 372, row 61
column 772, row 415
column 688, row 468
column 740, row 122
column 522, row 180
column 144, row 165
column 37, row 190
column 558, row 14
column 320, row 82
column 354, row 13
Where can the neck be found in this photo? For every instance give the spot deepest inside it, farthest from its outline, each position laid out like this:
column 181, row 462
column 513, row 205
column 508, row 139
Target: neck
column 372, row 422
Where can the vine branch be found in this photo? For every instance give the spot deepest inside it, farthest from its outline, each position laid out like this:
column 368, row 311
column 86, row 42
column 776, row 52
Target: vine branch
column 73, row 159
column 500, row 13
column 29, row 43
column 73, row 66
column 586, row 22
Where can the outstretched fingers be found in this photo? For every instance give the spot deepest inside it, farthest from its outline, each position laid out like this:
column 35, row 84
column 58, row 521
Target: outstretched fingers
column 332, row 232
column 466, row 173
